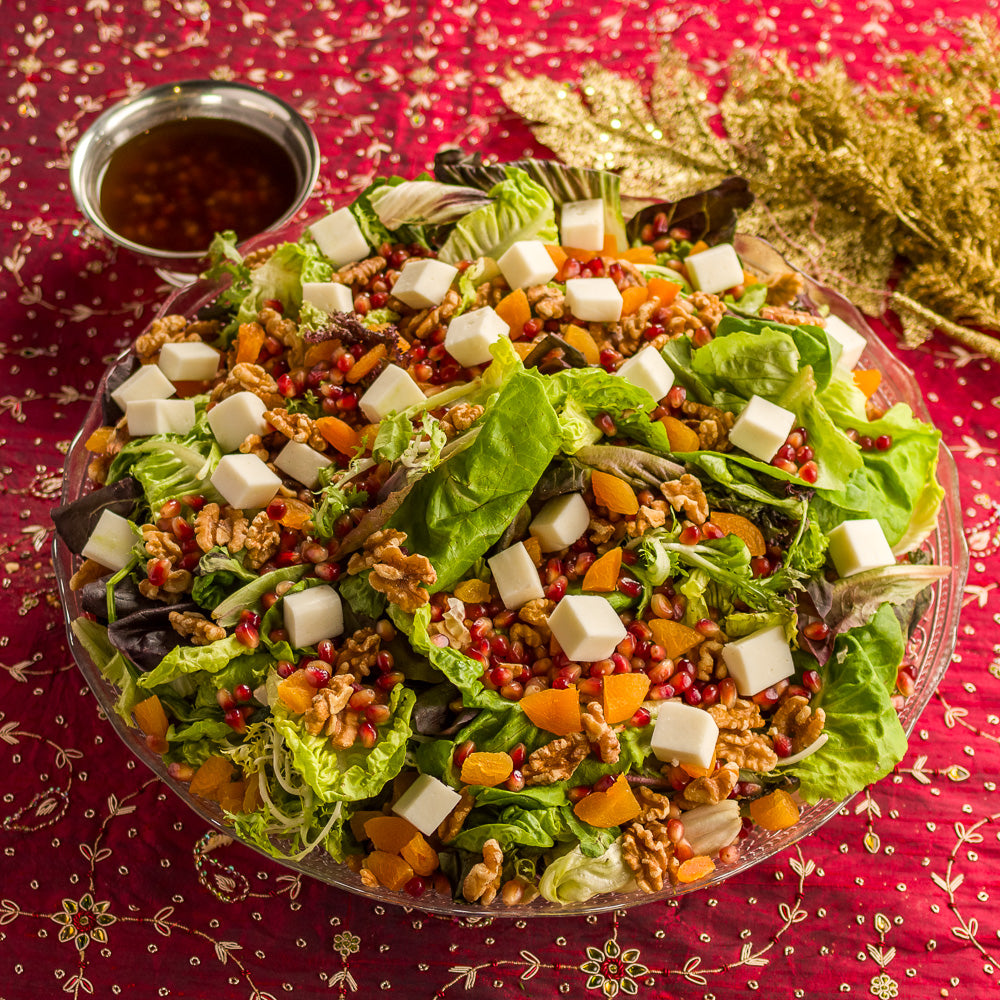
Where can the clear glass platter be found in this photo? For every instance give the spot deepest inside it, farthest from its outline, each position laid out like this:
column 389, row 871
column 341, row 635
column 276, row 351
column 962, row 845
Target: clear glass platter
column 930, row 649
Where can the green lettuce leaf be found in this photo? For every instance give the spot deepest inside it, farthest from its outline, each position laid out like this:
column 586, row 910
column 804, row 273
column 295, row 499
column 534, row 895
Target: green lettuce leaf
column 214, row 657
column 114, row 667
column 227, row 612
column 574, row 878
column 865, row 738
column 520, row 210
column 356, row 773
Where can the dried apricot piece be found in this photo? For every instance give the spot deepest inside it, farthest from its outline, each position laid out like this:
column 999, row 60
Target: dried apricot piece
column 358, row 820
column 665, row 291
column 366, row 364
column 474, row 591
column 581, row 339
column 297, row 514
column 867, row 380
column 420, row 856
column 389, row 833
column 602, row 577
column 296, row 692
column 736, row 524
column 639, row 255
column 614, row 493
column 632, row 298
column 211, row 776
column 483, row 768
column 611, row 808
column 339, row 434
column 674, row 637
column 681, row 437
column 624, row 695
column 554, row 710
column 515, row 311
column 389, row 870
column 775, row 811
column 695, row 868
column 150, row 717
column 98, row 441
column 249, row 341
column 557, row 254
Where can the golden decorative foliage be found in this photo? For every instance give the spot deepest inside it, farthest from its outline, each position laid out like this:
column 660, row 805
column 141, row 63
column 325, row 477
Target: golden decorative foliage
column 850, row 176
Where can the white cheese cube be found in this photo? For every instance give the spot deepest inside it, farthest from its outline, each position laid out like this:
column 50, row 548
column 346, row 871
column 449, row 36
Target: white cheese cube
column 560, row 522
column 516, row 577
column 392, row 390
column 715, row 269
column 426, row 803
column 586, row 627
column 237, row 417
column 684, row 734
column 312, row 615
column 302, row 463
column 422, row 284
column 471, row 335
column 596, row 300
column 648, row 371
column 111, row 541
column 159, row 416
column 339, row 237
column 189, row 362
column 856, row 546
column 527, row 263
column 146, row 383
column 244, row 481
column 850, row 340
column 330, row 296
column 581, row 224
column 758, row 660
column 761, row 428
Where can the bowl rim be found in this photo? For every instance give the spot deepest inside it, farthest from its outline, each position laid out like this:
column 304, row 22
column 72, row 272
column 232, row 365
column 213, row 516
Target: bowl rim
column 936, row 633
column 150, row 95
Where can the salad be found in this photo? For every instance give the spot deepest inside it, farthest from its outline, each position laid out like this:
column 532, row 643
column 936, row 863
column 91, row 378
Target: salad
column 497, row 546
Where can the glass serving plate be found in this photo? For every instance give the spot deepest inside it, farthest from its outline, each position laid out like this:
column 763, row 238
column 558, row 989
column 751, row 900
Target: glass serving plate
column 929, row 650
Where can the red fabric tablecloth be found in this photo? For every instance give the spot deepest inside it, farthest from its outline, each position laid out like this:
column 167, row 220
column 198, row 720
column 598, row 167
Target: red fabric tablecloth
column 106, row 885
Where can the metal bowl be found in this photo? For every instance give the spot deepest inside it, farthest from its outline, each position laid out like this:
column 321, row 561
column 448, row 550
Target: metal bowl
column 176, row 101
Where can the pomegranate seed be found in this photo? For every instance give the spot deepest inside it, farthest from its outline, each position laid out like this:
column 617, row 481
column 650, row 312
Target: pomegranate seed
column 866, row 443
column 327, row 571
column 415, row 887
column 556, row 590
column 709, row 694
column 562, row 683
column 785, row 465
column 362, row 698
column 285, row 669
column 181, row 529
column 816, row 631
column 767, row 697
column 170, row 509
column 795, row 439
column 388, row 681
column 499, row 676
column 693, row 695
column 515, row 781
column 385, row 661
column 709, row 530
column 640, row 718
column 577, row 793
column 883, row 442
column 287, row 386
column 727, row 692
column 605, row 424
column 326, row 650
column 179, row 771
column 906, row 683
column 158, row 570
column 480, row 628
column 234, row 719
column 499, row 646
column 690, row 535
column 609, row 359
column 224, row 699
column 812, row 681
column 368, row 734
column 190, row 560
column 761, row 566
column 248, row 635
column 287, row 559
column 782, row 745
column 242, row 693
column 250, row 617
column 462, row 752
column 684, row 665
column 518, row 754
column 604, row 783
column 627, row 646
column 278, row 634
column 630, row 587
column 675, row 831
column 809, row 472
column 661, row 692
column 681, row 682
column 377, row 715
column 194, row 501
column 532, row 328
column 787, row 452
column 804, row 454
column 661, row 672
column 317, row 673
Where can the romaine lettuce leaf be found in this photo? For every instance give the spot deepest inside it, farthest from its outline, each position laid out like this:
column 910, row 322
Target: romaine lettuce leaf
column 214, row 657
column 112, row 665
column 574, row 878
column 865, row 738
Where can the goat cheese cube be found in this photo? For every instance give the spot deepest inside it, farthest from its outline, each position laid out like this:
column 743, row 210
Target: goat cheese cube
column 761, row 428
column 330, row 296
column 527, row 263
column 422, row 284
column 586, row 627
column 852, row 343
column 581, row 224
column 237, row 417
column 426, row 803
column 758, row 660
column 189, row 362
column 715, row 269
column 471, row 335
column 648, row 371
column 148, row 382
column 516, row 577
column 312, row 615
column 302, row 463
column 392, row 390
column 111, row 541
column 596, row 300
column 339, row 237
column 244, row 481
column 560, row 522
column 856, row 546
column 684, row 734
column 159, row 416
